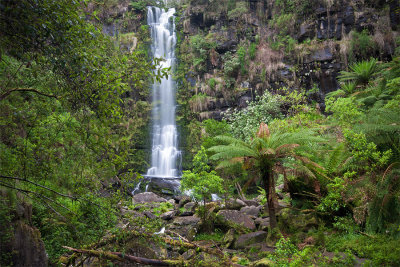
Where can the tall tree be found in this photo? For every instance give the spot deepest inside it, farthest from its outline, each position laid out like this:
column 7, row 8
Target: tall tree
column 264, row 152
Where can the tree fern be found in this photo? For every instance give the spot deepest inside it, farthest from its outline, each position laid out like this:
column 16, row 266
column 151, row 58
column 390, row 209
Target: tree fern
column 264, row 152
column 361, row 72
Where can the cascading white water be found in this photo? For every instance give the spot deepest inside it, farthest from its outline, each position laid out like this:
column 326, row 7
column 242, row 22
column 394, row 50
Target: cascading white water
column 165, row 153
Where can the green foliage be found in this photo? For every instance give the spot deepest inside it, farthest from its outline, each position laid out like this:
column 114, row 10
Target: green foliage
column 212, row 82
column 365, row 154
column 238, row 12
column 362, row 45
column 231, row 64
column 263, row 152
column 7, row 206
column 283, row 23
column 346, row 111
column 86, row 225
column 217, row 236
column 252, row 51
column 213, row 128
column 285, row 249
column 138, row 5
column 333, row 202
column 244, row 123
column 201, row 182
column 241, row 53
column 200, row 47
column 382, row 250
column 361, row 73
column 384, row 209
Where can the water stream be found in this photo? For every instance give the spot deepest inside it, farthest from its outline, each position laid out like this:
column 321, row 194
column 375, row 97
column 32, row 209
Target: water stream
column 165, row 154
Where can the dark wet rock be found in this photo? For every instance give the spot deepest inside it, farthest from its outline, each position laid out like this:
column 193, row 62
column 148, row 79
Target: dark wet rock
column 188, row 209
column 28, row 247
column 262, row 223
column 349, row 18
column 323, row 54
column 226, row 46
column 147, row 197
column 235, row 219
column 150, row 215
column 235, row 204
column 251, row 202
column 168, row 215
column 183, row 200
column 185, row 226
column 251, row 238
column 307, row 31
column 251, row 210
column 187, row 220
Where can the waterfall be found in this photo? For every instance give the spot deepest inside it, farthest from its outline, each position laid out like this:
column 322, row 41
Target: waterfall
column 165, row 153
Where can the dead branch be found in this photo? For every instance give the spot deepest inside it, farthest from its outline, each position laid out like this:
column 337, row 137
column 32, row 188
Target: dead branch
column 118, row 256
column 4, row 95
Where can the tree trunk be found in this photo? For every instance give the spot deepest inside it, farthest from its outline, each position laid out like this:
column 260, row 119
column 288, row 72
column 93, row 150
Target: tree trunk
column 269, row 187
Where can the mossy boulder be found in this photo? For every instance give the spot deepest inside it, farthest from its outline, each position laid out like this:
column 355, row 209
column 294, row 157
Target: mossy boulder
column 250, row 238
column 235, row 219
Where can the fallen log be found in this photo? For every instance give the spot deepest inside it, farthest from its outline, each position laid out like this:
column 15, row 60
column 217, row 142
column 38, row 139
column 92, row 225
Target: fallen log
column 118, row 256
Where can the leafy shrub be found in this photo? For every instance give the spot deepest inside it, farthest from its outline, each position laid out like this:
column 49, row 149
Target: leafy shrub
column 213, row 128
column 362, row 45
column 344, row 110
column 238, row 11
column 231, row 64
column 244, row 123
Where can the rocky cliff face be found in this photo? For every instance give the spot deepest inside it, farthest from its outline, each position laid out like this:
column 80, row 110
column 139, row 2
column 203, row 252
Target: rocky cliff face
column 234, row 50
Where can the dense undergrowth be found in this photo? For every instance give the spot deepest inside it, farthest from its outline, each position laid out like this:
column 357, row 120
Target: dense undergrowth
column 74, row 112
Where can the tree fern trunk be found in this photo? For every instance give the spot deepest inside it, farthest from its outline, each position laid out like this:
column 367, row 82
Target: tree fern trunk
column 269, row 186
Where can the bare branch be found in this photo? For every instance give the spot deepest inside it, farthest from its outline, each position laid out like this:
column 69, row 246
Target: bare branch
column 39, row 185
column 4, row 95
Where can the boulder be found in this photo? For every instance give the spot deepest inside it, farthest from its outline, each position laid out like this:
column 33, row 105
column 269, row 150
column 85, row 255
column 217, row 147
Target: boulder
column 149, row 215
column 188, row 209
column 251, row 202
column 147, row 197
column 234, row 219
column 262, row 223
column 251, row 238
column 251, row 210
column 323, row 54
column 185, row 226
column 235, row 204
column 27, row 246
column 168, row 215
column 187, row 220
column 183, row 201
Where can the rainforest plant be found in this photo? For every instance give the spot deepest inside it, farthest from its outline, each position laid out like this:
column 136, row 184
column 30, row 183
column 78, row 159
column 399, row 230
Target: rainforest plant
column 263, row 152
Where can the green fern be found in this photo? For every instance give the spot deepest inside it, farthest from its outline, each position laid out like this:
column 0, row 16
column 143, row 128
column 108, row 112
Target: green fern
column 361, row 72
column 263, row 152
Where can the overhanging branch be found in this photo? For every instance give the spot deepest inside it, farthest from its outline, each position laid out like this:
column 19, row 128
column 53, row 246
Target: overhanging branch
column 4, row 95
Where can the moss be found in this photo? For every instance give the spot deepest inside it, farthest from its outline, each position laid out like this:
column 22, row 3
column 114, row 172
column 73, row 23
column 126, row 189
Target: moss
column 382, row 250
